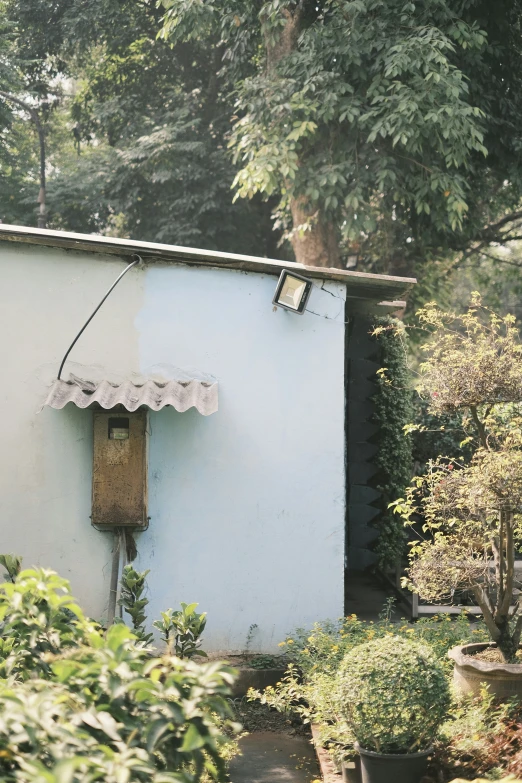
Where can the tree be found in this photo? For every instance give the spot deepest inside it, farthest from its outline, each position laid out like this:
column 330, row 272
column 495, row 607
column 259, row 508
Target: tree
column 135, row 131
column 363, row 123
column 473, row 511
column 18, row 146
column 388, row 130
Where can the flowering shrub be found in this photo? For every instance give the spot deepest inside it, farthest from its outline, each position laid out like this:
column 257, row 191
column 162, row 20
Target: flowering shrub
column 323, row 648
column 393, row 694
column 308, row 689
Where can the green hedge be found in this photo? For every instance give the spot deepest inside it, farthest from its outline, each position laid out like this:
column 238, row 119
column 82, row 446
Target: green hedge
column 393, row 410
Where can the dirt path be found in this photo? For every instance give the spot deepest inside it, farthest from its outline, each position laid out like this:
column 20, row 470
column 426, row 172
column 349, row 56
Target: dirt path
column 268, row 757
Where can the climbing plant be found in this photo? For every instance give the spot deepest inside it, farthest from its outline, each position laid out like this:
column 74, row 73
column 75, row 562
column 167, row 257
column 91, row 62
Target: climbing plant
column 393, row 405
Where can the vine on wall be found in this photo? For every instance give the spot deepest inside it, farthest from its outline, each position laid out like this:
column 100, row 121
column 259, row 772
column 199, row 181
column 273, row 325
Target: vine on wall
column 394, row 409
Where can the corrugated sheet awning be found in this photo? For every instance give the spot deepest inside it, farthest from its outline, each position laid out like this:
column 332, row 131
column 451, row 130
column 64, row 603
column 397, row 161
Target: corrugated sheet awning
column 154, row 394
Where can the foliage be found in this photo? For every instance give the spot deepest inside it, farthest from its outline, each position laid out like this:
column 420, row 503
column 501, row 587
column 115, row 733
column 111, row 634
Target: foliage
column 132, row 590
column 393, row 694
column 324, row 647
column 77, row 706
column 480, row 738
column 12, row 565
column 38, row 619
column 135, row 130
column 363, row 122
column 470, row 362
column 249, row 637
column 393, row 411
column 308, row 688
column 370, row 119
column 471, row 511
column 266, row 662
column 437, row 434
column 182, row 630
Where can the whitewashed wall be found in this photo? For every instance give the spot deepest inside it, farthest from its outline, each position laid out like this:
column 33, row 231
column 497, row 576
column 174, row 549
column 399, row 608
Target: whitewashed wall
column 247, row 505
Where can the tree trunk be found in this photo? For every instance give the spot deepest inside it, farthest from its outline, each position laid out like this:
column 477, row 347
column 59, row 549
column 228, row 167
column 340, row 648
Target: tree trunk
column 506, row 644
column 286, row 41
column 317, row 244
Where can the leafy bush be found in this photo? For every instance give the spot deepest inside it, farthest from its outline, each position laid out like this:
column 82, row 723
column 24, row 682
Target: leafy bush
column 12, row 565
column 323, row 648
column 182, row 630
column 481, row 738
column 308, row 688
column 38, row 619
column 469, row 740
column 510, row 779
column 471, row 511
column 79, row 706
column 393, row 694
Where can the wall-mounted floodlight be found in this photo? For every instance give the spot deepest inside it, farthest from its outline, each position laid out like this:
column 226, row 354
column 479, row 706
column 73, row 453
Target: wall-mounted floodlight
column 292, row 292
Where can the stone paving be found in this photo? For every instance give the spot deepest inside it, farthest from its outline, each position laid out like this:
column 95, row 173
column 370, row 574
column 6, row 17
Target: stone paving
column 274, row 758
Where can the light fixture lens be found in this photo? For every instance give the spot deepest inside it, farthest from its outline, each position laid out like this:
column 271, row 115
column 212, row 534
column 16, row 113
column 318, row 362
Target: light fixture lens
column 292, row 292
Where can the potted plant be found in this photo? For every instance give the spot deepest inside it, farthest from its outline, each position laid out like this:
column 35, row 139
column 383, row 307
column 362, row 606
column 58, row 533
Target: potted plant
column 393, row 695
column 471, row 511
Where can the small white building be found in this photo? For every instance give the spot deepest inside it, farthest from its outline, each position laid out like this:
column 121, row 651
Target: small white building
column 245, row 491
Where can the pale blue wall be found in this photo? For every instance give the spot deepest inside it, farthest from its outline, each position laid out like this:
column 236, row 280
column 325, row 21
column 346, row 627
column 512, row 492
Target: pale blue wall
column 246, row 505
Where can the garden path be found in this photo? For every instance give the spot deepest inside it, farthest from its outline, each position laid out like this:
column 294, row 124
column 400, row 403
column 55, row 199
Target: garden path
column 365, row 595
column 274, row 758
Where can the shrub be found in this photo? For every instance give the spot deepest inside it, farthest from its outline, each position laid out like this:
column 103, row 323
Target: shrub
column 77, row 705
column 323, row 648
column 480, row 737
column 182, row 630
column 308, row 688
column 39, row 618
column 471, row 511
column 393, row 695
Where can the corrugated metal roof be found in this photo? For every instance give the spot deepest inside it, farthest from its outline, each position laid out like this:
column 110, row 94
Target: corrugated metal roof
column 154, row 394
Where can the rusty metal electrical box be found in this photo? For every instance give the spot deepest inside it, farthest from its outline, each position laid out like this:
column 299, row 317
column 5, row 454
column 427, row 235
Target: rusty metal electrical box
column 119, row 479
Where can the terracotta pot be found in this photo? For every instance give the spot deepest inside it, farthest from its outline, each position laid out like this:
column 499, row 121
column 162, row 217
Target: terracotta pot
column 392, row 767
column 504, row 680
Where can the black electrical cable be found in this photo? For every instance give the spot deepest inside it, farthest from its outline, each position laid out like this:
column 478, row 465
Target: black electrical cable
column 137, row 260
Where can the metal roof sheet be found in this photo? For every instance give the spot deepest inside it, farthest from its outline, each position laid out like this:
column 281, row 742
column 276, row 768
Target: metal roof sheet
column 154, row 394
column 359, row 285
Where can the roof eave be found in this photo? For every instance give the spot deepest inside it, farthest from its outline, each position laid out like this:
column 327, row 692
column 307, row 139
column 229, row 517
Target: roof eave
column 361, row 285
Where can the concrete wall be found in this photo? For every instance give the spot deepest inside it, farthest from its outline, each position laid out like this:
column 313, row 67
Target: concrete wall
column 247, row 506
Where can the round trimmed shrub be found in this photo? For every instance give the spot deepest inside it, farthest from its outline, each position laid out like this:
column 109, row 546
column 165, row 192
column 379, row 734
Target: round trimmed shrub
column 393, row 694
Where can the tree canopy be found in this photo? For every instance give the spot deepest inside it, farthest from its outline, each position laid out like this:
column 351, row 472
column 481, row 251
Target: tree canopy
column 134, row 129
column 385, row 128
column 370, row 132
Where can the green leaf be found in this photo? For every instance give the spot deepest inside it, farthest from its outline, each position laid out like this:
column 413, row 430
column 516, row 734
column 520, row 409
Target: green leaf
column 192, row 740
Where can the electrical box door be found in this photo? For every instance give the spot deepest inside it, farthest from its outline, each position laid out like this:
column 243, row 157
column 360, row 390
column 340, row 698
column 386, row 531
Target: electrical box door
column 119, row 478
